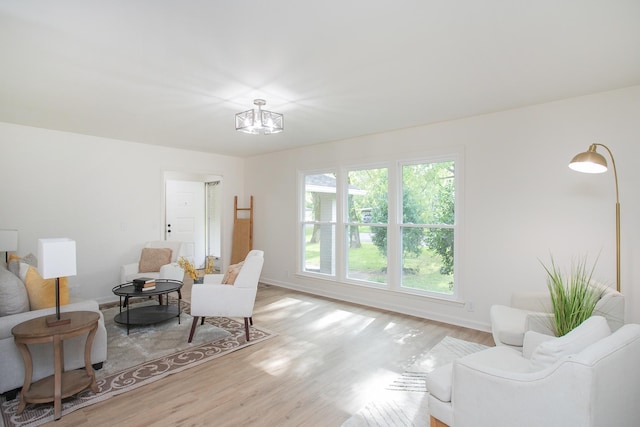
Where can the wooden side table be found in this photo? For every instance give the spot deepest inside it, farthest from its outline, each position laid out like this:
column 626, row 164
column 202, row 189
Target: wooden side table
column 61, row 384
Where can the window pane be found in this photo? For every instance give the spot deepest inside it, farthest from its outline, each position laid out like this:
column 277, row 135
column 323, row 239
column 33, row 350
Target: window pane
column 427, row 259
column 367, row 260
column 320, row 197
column 428, row 193
column 367, row 196
column 319, row 255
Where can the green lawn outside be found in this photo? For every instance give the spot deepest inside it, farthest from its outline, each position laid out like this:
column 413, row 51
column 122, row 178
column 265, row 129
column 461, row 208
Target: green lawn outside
column 366, row 263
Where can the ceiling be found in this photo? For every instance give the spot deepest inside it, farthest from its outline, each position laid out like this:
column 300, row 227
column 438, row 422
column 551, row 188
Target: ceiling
column 174, row 73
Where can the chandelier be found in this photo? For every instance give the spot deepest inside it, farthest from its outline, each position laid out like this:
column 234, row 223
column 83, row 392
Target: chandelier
column 257, row 121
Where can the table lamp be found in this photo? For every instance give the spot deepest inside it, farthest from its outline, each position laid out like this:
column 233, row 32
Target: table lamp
column 57, row 258
column 8, row 242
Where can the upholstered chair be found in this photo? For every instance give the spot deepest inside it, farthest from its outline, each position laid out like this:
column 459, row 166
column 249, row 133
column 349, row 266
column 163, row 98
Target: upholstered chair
column 215, row 298
column 589, row 377
column 531, row 311
column 158, row 260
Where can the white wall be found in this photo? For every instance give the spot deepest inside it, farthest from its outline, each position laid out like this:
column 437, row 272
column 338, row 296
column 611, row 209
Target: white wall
column 522, row 202
column 104, row 193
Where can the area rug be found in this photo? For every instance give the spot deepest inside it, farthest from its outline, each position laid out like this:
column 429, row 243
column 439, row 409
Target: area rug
column 404, row 402
column 147, row 354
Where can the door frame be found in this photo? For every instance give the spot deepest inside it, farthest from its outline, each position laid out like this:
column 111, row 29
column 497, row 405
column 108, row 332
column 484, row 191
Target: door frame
column 188, row 176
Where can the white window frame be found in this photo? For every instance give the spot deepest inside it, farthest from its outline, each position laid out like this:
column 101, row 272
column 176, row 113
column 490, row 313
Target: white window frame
column 394, row 254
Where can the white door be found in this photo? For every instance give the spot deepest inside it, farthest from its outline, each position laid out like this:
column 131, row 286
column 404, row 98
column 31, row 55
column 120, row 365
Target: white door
column 185, row 217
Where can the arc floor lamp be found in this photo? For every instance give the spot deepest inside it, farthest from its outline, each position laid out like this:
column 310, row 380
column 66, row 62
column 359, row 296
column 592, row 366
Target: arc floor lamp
column 593, row 162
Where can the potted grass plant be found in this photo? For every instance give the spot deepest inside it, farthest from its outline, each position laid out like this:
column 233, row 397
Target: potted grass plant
column 573, row 296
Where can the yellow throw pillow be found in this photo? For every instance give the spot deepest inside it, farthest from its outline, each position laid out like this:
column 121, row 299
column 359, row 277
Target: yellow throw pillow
column 229, row 277
column 42, row 292
column 152, row 259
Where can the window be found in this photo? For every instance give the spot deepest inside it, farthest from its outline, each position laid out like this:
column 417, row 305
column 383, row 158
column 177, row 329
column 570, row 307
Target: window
column 428, row 226
column 393, row 226
column 366, row 225
column 319, row 223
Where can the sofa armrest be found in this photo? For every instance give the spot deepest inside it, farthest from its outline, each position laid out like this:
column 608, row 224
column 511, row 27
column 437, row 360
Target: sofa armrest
column 213, row 279
column 516, row 395
column 222, row 300
column 8, row 322
column 543, row 323
column 172, row 271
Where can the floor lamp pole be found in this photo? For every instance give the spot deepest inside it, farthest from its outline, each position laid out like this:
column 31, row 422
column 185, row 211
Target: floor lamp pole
column 615, row 177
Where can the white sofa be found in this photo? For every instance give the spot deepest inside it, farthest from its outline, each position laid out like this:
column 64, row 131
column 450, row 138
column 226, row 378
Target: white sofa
column 532, row 311
column 12, row 365
column 587, row 378
column 130, row 271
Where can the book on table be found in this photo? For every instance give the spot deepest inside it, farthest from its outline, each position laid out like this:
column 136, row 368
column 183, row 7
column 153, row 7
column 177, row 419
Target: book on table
column 143, row 280
column 144, row 283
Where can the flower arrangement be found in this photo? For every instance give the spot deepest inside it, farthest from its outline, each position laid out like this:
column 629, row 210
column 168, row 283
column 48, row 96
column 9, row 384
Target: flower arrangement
column 188, row 267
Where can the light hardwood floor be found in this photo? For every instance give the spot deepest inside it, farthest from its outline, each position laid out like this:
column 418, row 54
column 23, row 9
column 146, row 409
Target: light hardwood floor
column 327, row 362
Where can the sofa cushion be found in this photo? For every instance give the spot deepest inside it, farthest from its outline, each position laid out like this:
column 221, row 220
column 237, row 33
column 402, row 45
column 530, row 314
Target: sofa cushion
column 151, row 259
column 590, row 331
column 438, row 382
column 42, row 292
column 13, row 294
column 15, row 260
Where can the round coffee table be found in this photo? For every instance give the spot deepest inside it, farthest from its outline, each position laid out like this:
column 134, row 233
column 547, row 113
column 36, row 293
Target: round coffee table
column 148, row 314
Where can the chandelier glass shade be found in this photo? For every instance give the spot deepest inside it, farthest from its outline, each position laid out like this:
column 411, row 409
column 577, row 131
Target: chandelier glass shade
column 257, row 120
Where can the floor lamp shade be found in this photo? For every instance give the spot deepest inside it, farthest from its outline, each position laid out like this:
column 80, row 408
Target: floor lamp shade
column 56, row 258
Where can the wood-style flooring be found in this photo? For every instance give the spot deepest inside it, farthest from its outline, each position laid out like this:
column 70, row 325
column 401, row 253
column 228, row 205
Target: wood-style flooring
column 327, row 362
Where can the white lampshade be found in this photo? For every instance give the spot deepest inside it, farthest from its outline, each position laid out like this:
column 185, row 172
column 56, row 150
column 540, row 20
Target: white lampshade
column 8, row 240
column 56, row 257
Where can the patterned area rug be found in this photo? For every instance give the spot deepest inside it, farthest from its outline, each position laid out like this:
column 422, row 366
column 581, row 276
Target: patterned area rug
column 404, row 402
column 147, row 354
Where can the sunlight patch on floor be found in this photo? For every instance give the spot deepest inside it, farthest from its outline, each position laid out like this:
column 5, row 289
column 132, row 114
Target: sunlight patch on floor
column 279, row 360
column 342, row 318
column 374, row 387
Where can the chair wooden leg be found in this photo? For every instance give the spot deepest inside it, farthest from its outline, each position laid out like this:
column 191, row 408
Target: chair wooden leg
column 246, row 327
column 251, row 321
column 193, row 327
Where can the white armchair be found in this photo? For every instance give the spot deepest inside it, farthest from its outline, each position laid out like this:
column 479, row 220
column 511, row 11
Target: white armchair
column 531, row 311
column 588, row 378
column 131, row 271
column 212, row 298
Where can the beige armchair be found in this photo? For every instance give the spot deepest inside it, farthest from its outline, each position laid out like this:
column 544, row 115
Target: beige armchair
column 170, row 270
column 531, row 311
column 212, row 298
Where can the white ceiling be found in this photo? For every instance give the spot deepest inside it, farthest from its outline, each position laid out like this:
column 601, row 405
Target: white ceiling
column 174, row 73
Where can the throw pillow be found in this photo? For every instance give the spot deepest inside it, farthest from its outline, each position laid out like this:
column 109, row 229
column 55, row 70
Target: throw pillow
column 42, row 292
column 532, row 340
column 13, row 294
column 230, row 276
column 152, row 259
column 590, row 331
column 15, row 260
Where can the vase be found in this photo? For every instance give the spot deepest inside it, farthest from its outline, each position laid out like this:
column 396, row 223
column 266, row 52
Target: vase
column 198, row 280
